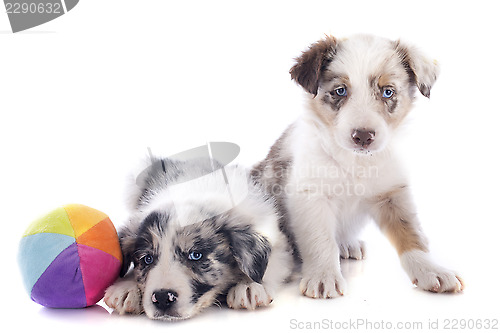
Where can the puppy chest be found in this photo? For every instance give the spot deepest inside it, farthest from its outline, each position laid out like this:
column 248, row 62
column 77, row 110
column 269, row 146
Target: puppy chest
column 335, row 182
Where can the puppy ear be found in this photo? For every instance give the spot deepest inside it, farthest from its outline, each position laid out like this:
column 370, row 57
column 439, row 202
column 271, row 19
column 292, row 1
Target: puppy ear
column 422, row 71
column 307, row 70
column 127, row 240
column 250, row 249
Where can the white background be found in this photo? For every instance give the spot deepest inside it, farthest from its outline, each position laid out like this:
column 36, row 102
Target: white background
column 83, row 96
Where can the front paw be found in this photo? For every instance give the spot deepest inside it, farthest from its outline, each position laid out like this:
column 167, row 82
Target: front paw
column 248, row 296
column 439, row 281
column 426, row 275
column 124, row 297
column 323, row 285
column 352, row 250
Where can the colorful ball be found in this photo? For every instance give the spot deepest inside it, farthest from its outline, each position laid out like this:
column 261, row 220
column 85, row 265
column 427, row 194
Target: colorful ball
column 69, row 257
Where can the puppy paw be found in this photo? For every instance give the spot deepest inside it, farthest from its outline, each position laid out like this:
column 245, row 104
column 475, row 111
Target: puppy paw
column 248, row 296
column 426, row 275
column 439, row 281
column 352, row 250
column 124, row 297
column 323, row 285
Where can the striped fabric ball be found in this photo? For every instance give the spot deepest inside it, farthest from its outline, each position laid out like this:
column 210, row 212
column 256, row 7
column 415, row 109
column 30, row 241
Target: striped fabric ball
column 69, row 257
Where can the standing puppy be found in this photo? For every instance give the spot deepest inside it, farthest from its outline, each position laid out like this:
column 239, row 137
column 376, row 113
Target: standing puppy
column 335, row 167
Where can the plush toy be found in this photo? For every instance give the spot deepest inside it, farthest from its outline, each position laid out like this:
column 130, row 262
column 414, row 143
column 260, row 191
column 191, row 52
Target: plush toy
column 69, row 257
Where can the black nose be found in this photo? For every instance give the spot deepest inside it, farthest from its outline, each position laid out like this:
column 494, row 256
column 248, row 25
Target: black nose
column 362, row 137
column 164, row 298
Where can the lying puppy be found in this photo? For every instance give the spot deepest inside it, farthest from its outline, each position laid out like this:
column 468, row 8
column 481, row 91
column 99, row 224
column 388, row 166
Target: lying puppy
column 196, row 234
column 335, row 167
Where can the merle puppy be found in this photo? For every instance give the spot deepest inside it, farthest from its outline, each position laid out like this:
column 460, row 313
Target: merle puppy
column 198, row 231
column 337, row 167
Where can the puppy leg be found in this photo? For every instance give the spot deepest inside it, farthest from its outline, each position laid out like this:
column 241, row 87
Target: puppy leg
column 124, row 296
column 313, row 223
column 249, row 294
column 258, row 291
column 395, row 214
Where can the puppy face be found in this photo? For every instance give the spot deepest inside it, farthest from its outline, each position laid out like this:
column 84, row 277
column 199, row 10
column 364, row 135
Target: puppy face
column 362, row 88
column 182, row 269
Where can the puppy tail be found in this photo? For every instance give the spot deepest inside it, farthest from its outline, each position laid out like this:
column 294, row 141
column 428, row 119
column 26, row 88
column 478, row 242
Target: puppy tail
column 152, row 175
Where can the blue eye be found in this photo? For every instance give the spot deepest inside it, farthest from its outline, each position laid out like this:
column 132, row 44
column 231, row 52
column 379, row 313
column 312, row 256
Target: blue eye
column 194, row 256
column 387, row 93
column 342, row 91
column 148, row 259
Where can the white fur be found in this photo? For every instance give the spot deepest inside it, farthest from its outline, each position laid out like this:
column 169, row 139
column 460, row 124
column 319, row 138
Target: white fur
column 333, row 185
column 209, row 188
column 188, row 200
column 326, row 228
column 427, row 275
column 124, row 297
column 248, row 296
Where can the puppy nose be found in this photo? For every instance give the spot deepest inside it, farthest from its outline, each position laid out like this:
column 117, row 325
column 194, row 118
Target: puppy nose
column 163, row 298
column 363, row 137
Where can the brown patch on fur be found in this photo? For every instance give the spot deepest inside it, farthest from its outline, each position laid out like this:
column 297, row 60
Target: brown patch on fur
column 404, row 55
column 399, row 102
column 307, row 70
column 391, row 104
column 385, row 80
column 398, row 223
column 403, row 106
column 274, row 168
column 335, row 102
column 272, row 174
column 326, row 119
column 328, row 76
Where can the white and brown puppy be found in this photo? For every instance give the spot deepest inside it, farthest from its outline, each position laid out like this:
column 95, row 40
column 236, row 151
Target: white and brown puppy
column 335, row 167
column 198, row 231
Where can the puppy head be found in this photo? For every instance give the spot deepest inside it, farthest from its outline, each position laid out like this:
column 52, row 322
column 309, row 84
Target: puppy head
column 362, row 88
column 181, row 269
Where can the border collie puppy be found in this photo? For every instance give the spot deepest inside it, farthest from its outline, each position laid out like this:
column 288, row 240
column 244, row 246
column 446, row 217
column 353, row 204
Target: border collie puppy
column 336, row 167
column 198, row 231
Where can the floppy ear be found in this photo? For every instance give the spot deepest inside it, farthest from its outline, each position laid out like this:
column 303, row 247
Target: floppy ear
column 127, row 243
column 307, row 70
column 423, row 72
column 250, row 249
